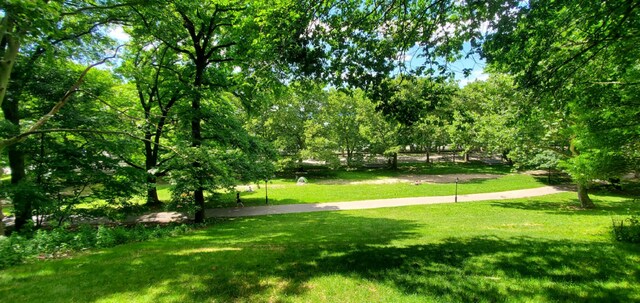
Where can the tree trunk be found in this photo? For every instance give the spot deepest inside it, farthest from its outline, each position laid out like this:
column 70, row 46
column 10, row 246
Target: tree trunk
column 466, row 157
column 394, row 162
column 10, row 54
column 151, row 161
column 1, row 222
column 583, row 197
column 428, row 160
column 196, row 140
column 21, row 205
column 152, row 191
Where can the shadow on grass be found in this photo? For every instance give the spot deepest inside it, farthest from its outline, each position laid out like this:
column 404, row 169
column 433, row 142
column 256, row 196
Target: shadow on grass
column 254, row 259
column 603, row 208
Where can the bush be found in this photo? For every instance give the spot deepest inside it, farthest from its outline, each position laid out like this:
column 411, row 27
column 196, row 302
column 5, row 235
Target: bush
column 61, row 241
column 627, row 230
column 13, row 250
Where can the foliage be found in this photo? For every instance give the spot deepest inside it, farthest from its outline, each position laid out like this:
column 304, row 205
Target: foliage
column 64, row 241
column 627, row 229
column 284, row 118
column 578, row 63
column 337, row 127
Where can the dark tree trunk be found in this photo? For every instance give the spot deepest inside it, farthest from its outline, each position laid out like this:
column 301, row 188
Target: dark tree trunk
column 428, row 156
column 583, row 197
column 196, row 141
column 151, row 161
column 152, row 191
column 1, row 222
column 394, row 161
column 22, row 205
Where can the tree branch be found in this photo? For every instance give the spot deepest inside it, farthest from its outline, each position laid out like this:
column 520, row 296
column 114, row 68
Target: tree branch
column 74, row 88
column 22, row 136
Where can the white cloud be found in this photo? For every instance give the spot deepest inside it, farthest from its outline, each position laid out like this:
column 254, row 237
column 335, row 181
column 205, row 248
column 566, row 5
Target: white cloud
column 117, row 33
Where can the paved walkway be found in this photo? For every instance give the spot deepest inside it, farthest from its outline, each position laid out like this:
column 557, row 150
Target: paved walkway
column 166, row 217
column 380, row 203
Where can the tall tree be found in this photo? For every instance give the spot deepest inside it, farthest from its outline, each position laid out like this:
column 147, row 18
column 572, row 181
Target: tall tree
column 35, row 33
column 580, row 58
column 283, row 119
column 219, row 40
column 337, row 127
column 155, row 72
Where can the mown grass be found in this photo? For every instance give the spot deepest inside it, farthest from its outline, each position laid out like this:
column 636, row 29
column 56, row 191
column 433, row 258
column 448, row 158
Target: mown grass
column 526, row 250
column 287, row 192
column 283, row 190
column 7, row 210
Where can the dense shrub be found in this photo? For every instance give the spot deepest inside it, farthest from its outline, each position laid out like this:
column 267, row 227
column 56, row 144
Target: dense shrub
column 12, row 250
column 627, row 230
column 58, row 242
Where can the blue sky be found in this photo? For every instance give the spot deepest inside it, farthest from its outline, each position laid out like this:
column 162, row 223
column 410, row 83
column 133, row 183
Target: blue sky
column 474, row 63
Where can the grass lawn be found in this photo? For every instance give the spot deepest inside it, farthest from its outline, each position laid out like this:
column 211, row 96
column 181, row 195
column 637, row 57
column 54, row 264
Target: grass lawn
column 527, row 250
column 7, row 210
column 287, row 192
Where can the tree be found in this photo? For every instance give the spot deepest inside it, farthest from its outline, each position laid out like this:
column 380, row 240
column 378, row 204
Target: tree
column 381, row 134
column 486, row 116
column 155, row 73
column 418, row 104
column 37, row 32
column 59, row 159
column 580, row 59
column 219, row 41
column 284, row 117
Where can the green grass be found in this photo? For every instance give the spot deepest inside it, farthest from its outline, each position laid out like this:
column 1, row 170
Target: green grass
column 7, row 210
column 288, row 192
column 527, row 250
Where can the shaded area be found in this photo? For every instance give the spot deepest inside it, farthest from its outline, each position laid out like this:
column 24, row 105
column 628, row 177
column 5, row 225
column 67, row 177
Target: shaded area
column 572, row 207
column 251, row 260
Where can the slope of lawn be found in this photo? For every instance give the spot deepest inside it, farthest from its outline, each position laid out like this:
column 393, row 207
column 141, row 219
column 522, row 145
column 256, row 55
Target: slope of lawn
column 527, row 250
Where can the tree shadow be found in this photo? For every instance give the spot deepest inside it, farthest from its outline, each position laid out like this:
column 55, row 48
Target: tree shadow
column 572, row 207
column 251, row 259
column 466, row 270
column 227, row 262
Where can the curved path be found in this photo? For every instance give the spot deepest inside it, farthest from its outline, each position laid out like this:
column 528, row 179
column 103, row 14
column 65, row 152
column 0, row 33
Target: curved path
column 167, row 217
column 364, row 204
